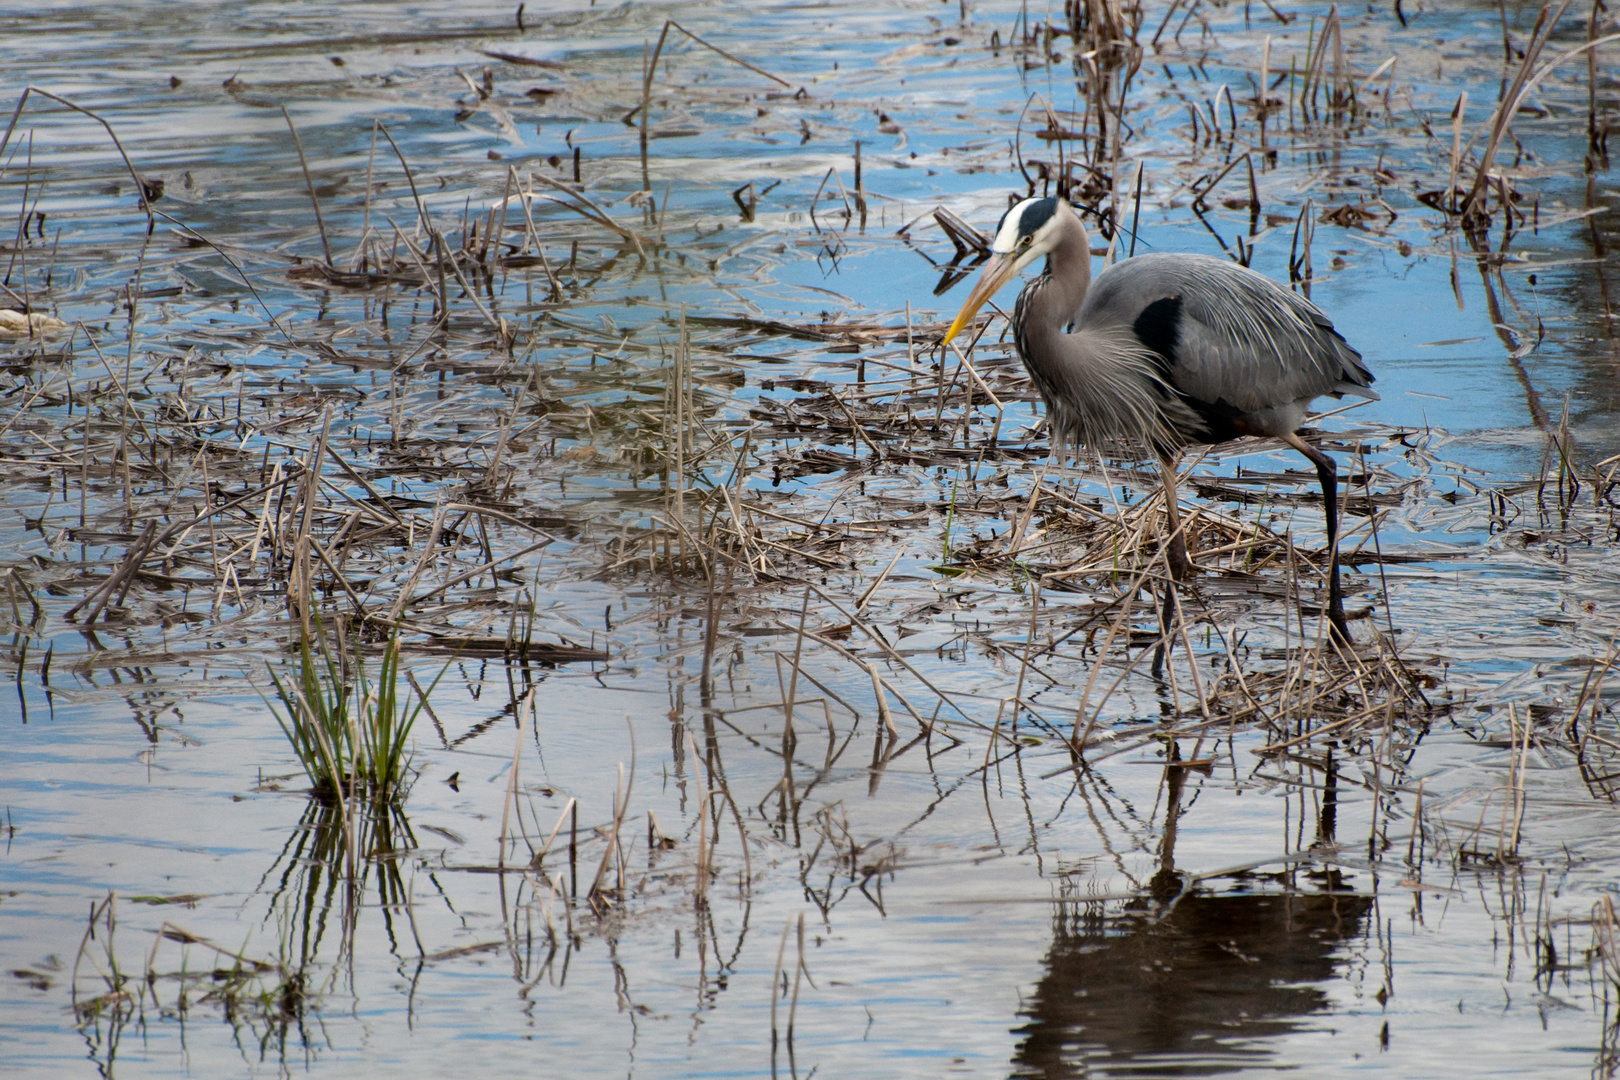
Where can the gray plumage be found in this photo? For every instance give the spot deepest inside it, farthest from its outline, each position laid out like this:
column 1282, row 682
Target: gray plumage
column 1166, row 351
column 1241, row 350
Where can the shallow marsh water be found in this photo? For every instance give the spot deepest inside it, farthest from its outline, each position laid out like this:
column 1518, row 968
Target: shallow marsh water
column 971, row 905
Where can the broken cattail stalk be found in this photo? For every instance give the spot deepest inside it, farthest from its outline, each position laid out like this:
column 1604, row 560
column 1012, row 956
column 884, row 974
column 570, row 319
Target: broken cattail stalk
column 882, row 703
column 1299, row 254
column 648, row 68
column 527, row 705
column 1456, row 150
column 704, row 857
column 1262, row 98
column 860, row 187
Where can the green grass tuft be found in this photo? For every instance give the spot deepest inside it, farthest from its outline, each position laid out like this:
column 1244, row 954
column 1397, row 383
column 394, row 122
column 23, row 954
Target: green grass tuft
column 350, row 736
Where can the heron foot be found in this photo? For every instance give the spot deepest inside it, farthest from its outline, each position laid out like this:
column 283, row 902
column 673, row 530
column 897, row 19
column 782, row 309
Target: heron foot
column 1181, row 566
column 1335, row 612
column 1337, row 627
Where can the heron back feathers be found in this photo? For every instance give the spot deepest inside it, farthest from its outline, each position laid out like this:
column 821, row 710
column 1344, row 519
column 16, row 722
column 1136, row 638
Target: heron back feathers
column 1233, row 338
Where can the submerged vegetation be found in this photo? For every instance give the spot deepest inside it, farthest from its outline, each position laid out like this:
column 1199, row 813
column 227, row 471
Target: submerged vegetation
column 583, row 360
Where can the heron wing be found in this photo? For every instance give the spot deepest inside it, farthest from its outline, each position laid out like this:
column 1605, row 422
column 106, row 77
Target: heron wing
column 1230, row 338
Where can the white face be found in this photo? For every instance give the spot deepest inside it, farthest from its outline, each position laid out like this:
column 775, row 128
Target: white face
column 1025, row 219
column 1008, row 232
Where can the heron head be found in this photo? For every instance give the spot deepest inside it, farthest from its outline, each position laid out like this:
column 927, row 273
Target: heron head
column 1028, row 230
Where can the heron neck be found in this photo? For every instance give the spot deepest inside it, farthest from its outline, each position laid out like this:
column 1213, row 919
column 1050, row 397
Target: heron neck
column 1068, row 270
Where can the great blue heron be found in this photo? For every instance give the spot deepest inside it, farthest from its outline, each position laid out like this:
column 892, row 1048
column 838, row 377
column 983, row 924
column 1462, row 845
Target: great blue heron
column 1168, row 351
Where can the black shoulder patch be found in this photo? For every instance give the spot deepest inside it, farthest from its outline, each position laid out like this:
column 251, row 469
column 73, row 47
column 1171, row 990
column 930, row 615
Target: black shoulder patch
column 1159, row 328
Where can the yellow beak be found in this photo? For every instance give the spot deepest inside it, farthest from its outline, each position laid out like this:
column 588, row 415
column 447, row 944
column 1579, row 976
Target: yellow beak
column 997, row 272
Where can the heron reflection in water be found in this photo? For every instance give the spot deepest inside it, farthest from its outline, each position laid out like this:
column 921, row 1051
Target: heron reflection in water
column 1195, row 976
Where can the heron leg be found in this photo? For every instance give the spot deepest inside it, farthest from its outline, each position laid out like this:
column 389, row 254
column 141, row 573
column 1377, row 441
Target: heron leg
column 1181, row 566
column 1328, row 473
column 1167, row 639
